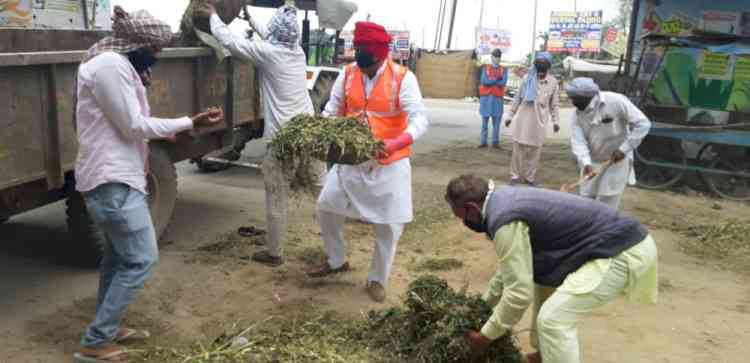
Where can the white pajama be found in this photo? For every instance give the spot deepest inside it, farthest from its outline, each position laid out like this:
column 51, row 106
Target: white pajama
column 379, row 194
column 613, row 201
column 386, row 241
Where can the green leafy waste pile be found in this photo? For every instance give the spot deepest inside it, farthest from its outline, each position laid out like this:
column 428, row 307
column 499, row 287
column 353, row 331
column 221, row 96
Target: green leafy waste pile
column 428, row 328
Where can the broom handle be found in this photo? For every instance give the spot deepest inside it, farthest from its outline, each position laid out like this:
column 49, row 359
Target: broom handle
column 596, row 172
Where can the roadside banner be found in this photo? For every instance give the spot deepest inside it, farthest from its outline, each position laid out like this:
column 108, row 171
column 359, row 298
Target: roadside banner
column 575, row 31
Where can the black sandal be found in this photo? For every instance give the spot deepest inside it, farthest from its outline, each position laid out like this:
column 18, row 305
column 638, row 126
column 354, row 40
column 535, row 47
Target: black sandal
column 250, row 231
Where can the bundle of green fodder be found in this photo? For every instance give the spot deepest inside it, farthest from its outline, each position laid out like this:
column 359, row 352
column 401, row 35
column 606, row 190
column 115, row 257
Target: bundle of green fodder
column 306, row 140
column 431, row 325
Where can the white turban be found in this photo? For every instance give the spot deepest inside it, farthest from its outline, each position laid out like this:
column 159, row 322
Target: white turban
column 582, row 87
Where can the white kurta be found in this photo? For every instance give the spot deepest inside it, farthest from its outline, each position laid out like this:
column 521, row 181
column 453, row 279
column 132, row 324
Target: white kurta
column 380, row 194
column 611, row 122
column 283, row 81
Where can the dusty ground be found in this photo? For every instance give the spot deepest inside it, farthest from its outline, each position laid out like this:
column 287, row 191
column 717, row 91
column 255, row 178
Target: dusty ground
column 196, row 294
column 204, row 284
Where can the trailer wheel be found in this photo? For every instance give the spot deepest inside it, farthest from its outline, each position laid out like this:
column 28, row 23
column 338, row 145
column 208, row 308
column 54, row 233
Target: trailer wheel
column 320, row 94
column 88, row 239
column 662, row 150
column 730, row 159
column 162, row 188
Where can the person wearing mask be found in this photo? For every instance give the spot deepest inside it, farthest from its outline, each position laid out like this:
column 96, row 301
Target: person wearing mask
column 491, row 95
column 566, row 255
column 607, row 128
column 536, row 104
column 113, row 126
column 386, row 96
column 281, row 65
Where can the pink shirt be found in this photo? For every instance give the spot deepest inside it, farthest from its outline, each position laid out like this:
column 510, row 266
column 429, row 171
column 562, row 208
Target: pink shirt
column 113, row 124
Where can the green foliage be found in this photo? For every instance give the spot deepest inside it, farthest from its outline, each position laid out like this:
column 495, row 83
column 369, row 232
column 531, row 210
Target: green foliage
column 430, row 326
column 306, row 138
column 438, row 264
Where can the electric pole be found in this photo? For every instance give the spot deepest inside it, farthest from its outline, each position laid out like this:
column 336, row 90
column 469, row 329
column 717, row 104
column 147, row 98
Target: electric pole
column 439, row 29
column 481, row 13
column 534, row 35
column 453, row 21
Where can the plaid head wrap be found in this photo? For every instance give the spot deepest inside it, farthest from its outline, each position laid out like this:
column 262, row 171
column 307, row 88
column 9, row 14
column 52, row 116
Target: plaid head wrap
column 283, row 28
column 130, row 32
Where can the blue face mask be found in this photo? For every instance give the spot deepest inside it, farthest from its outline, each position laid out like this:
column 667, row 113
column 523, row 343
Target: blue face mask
column 141, row 59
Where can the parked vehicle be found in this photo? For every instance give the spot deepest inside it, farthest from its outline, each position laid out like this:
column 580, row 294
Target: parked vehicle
column 38, row 143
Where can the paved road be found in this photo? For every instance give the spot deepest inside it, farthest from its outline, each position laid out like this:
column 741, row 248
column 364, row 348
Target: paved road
column 35, row 280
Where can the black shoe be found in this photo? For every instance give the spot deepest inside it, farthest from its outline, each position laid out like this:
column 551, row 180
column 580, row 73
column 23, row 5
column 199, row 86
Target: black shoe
column 327, row 270
column 267, row 259
column 483, row 146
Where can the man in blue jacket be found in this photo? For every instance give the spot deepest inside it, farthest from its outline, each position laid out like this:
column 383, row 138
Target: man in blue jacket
column 491, row 94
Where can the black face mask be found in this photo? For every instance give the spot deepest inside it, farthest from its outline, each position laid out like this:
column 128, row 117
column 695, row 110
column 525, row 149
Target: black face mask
column 476, row 227
column 479, row 227
column 581, row 103
column 141, row 59
column 540, row 67
column 365, row 60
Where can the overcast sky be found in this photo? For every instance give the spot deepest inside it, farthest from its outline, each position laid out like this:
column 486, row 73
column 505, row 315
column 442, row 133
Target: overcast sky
column 420, row 17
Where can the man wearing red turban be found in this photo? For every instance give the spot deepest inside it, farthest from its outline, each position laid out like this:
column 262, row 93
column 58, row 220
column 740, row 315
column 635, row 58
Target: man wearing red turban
column 387, row 97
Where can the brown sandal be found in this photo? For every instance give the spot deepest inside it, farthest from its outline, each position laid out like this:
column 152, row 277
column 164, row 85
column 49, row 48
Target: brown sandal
column 125, row 335
column 104, row 353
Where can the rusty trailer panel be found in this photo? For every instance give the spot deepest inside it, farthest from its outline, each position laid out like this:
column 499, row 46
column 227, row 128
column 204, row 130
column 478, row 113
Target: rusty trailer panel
column 38, row 140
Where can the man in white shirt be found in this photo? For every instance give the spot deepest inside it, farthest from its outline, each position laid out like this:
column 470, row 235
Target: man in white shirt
column 283, row 84
column 387, row 97
column 113, row 125
column 607, row 128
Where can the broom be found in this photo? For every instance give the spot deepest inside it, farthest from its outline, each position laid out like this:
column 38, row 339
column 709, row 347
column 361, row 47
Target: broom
column 567, row 188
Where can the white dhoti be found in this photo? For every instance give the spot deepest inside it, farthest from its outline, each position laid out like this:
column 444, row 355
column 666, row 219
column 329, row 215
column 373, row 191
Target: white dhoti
column 372, row 192
column 607, row 187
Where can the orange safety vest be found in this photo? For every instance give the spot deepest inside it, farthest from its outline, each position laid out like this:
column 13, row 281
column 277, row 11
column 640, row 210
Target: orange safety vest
column 495, row 74
column 382, row 109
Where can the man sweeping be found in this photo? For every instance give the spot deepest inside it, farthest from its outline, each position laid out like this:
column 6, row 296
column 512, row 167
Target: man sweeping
column 282, row 71
column 606, row 130
column 491, row 95
column 387, row 97
column 566, row 254
column 536, row 103
column 113, row 124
